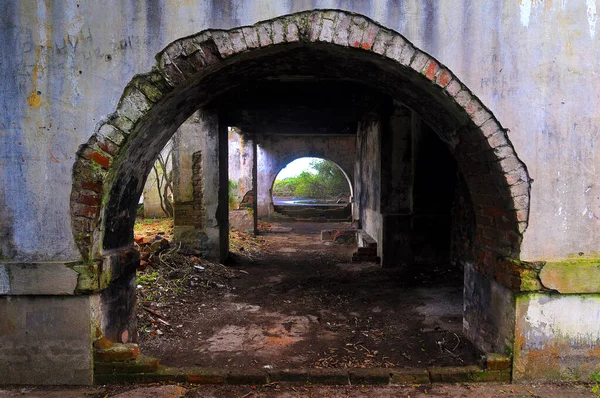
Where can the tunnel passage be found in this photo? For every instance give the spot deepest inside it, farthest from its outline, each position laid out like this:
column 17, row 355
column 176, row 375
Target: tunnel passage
column 112, row 166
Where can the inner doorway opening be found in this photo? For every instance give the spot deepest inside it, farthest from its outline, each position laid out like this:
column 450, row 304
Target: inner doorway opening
column 312, row 188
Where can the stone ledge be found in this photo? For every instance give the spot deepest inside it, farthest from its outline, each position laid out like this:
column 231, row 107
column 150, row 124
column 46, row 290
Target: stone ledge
column 372, row 376
column 37, row 278
column 572, row 276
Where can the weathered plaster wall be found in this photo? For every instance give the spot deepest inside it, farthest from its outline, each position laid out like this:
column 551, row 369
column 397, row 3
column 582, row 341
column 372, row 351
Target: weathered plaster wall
column 531, row 62
column 367, row 179
column 488, row 312
column 241, row 161
column 62, row 326
column 276, row 152
column 557, row 337
column 66, row 68
column 196, row 183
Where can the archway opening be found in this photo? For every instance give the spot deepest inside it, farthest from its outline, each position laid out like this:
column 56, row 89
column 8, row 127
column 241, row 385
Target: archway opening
column 310, row 187
column 347, row 75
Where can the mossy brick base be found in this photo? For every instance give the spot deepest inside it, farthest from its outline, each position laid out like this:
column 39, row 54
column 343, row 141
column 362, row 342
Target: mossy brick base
column 370, row 376
column 117, row 352
column 206, row 376
column 121, row 373
column 141, row 364
column 404, row 376
column 498, row 362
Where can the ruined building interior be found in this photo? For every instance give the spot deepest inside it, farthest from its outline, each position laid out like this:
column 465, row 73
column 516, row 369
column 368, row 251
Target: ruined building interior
column 446, row 178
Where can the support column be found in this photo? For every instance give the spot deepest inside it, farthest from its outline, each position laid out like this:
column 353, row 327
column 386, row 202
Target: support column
column 255, row 185
column 263, row 189
column 198, row 183
column 242, row 175
column 222, row 215
column 397, row 188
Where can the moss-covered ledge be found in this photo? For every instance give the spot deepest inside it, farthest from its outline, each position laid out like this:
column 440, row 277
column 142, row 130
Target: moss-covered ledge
column 39, row 278
column 53, row 278
column 572, row 276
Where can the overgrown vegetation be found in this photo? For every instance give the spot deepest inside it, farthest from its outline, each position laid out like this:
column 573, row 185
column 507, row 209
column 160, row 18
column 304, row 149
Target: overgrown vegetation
column 596, row 384
column 232, row 198
column 328, row 182
column 164, row 179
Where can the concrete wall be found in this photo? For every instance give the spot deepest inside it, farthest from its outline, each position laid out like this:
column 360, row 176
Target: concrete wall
column 47, row 339
column 65, row 65
column 241, row 163
column 367, row 177
column 66, row 68
column 556, row 337
column 276, row 152
column 196, row 183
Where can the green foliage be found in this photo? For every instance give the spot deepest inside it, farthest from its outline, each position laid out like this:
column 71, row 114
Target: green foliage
column 147, row 279
column 596, row 384
column 233, row 188
column 328, row 182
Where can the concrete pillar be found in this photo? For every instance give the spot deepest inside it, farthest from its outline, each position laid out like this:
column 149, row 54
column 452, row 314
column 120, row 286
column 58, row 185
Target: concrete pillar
column 199, row 184
column 47, row 339
column 222, row 214
column 396, row 188
column 242, row 180
column 265, row 162
column 152, row 207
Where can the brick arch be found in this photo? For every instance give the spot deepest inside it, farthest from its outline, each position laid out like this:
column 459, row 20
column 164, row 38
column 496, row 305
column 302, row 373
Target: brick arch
column 111, row 167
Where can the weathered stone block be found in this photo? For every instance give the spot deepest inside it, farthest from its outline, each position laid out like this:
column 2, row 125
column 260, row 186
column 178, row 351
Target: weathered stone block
column 292, row 32
column 480, row 115
column 117, row 352
column 341, row 28
column 370, row 376
column 443, row 78
column 463, row 98
column 496, row 361
column 251, row 37
column 207, row 376
column 556, row 337
column 278, row 29
column 222, row 42
column 313, row 28
column 327, row 31
column 453, row 88
column 264, row 31
column 394, row 48
column 431, row 69
column 37, row 279
column 238, row 44
column 451, row 374
column 46, row 339
column 111, row 133
column 419, row 61
column 409, row 376
column 572, row 276
column 382, row 41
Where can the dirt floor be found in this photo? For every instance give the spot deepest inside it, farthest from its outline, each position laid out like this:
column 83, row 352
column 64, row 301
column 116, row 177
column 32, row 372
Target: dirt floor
column 289, row 299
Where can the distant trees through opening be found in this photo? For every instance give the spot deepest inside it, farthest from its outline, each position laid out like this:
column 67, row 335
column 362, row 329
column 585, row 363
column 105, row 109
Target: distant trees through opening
column 311, row 179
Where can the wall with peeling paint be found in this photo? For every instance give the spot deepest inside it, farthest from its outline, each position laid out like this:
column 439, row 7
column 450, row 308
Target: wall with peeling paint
column 532, row 63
